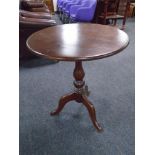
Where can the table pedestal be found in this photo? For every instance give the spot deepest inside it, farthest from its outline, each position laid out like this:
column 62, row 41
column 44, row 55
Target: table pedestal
column 79, row 95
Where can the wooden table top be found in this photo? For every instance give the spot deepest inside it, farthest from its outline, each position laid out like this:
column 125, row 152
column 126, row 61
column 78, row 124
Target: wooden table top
column 73, row 42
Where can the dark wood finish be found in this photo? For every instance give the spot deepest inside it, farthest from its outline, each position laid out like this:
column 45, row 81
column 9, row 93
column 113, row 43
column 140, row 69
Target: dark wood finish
column 78, row 42
column 79, row 95
column 71, row 42
column 113, row 10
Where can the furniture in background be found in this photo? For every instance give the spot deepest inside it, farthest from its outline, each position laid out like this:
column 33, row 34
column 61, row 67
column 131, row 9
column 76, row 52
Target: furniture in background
column 131, row 12
column 76, row 10
column 41, row 15
column 50, row 5
column 34, row 6
column 84, row 12
column 112, row 11
column 30, row 22
column 78, row 43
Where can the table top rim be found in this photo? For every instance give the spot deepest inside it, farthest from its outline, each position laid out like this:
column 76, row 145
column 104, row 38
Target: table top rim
column 88, row 58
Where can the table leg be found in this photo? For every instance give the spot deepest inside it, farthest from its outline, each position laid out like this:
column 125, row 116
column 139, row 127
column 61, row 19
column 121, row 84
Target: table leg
column 79, row 95
column 91, row 111
column 63, row 101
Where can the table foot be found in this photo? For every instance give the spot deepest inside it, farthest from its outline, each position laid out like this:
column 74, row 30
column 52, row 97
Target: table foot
column 91, row 111
column 63, row 101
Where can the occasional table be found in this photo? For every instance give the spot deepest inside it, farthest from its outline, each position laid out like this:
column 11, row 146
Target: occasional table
column 77, row 43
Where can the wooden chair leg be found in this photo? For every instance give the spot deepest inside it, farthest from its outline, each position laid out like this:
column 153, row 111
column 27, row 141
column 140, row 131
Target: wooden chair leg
column 115, row 21
column 123, row 23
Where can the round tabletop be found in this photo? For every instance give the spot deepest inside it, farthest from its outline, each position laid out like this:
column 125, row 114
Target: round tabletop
column 73, row 42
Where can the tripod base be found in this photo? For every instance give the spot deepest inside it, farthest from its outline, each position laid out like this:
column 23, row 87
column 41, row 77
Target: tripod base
column 81, row 99
column 80, row 95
